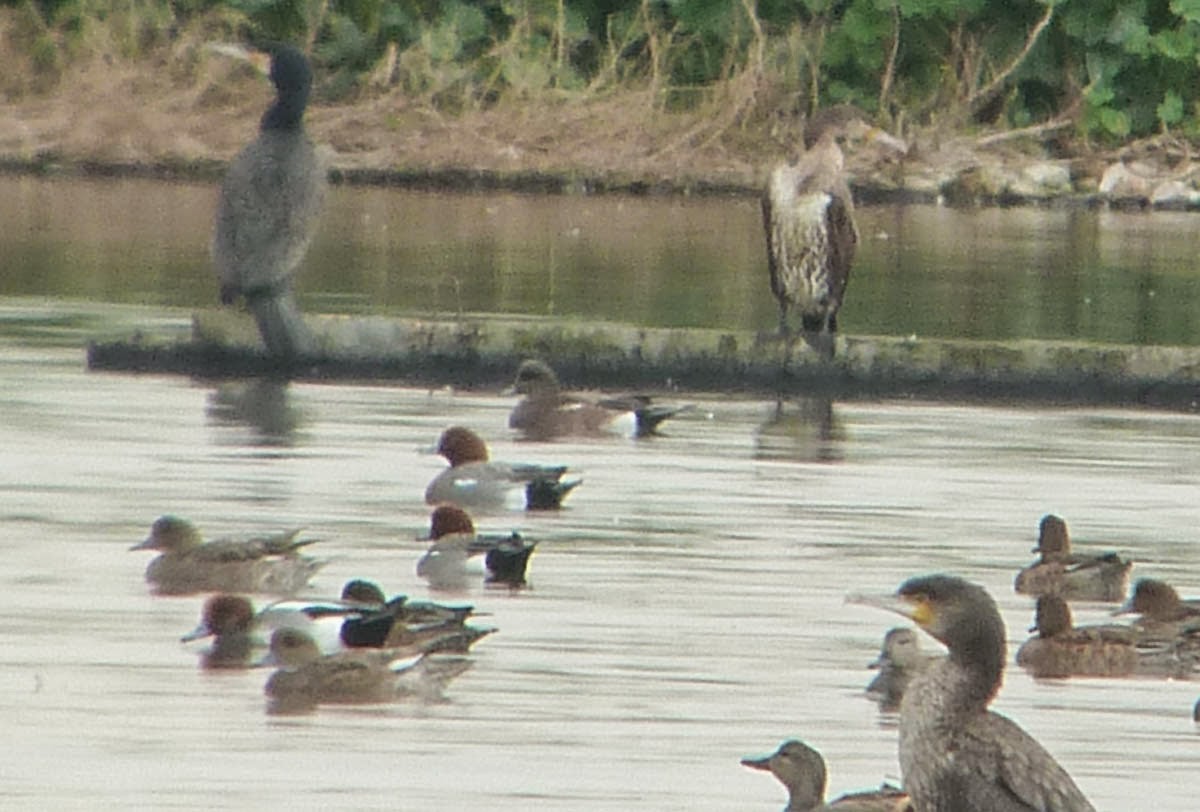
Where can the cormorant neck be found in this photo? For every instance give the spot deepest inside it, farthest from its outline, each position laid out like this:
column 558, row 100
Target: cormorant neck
column 979, row 653
column 287, row 113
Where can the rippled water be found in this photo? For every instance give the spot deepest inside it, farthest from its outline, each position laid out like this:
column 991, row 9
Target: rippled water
column 687, row 606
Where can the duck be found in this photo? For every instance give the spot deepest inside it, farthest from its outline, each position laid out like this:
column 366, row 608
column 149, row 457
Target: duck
column 455, row 542
column 187, row 564
column 1102, row 577
column 801, row 769
column 399, row 621
column 474, row 481
column 238, row 630
column 956, row 753
column 1157, row 601
column 545, row 412
column 900, row 659
column 270, row 202
column 306, row 678
column 1062, row 649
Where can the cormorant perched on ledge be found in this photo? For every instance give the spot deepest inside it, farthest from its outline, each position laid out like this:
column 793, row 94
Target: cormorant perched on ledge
column 267, row 211
column 808, row 216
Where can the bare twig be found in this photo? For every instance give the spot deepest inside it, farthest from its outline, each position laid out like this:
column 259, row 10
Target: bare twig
column 1035, row 130
column 985, row 93
column 889, row 71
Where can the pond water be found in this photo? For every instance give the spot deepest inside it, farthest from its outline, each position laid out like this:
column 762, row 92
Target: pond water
column 687, row 606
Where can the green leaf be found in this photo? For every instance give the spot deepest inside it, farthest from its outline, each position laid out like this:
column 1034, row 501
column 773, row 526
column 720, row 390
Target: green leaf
column 1170, row 110
column 1115, row 122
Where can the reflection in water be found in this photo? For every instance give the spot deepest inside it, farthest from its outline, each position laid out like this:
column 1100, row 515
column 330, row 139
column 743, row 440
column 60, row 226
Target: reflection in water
column 923, row 270
column 805, row 430
column 261, row 404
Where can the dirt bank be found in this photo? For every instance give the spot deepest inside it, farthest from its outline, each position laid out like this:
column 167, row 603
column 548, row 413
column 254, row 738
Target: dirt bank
column 187, row 112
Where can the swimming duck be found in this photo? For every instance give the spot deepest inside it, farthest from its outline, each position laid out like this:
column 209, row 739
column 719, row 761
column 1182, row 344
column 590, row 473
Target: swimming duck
column 955, row 753
column 546, row 412
column 188, row 564
column 398, row 621
column 229, row 620
column 238, row 631
column 1158, row 601
column 472, row 481
column 1061, row 649
column 455, row 542
column 267, row 212
column 306, row 678
column 801, row 769
column 900, row 659
column 1103, row 577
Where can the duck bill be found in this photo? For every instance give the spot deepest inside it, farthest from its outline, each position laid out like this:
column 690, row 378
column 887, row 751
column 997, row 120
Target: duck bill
column 148, row 543
column 197, row 633
column 761, row 763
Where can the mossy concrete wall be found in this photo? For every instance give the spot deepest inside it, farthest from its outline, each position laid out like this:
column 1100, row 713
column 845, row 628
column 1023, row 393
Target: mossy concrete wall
column 478, row 351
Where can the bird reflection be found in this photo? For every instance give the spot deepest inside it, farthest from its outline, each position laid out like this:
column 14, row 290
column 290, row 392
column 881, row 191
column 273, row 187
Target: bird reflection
column 262, row 405
column 806, row 429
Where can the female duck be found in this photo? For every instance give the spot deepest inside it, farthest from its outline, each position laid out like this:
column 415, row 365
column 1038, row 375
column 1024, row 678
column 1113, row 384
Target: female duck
column 801, row 769
column 1103, row 577
column 187, row 564
column 546, row 412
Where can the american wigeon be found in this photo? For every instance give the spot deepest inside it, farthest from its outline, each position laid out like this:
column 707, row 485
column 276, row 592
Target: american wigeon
column 447, row 562
column 900, row 660
column 545, row 411
column 306, row 678
column 801, row 769
column 474, row 481
column 1102, row 577
column 188, row 564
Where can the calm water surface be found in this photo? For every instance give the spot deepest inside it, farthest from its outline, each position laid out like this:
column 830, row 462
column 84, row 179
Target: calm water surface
column 991, row 273
column 687, row 606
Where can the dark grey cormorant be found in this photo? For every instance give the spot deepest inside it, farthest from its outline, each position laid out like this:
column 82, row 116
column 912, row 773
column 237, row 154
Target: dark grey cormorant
column 268, row 209
column 808, row 216
column 955, row 754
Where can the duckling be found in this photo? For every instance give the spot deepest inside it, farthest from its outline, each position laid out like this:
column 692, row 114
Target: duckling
column 1102, row 577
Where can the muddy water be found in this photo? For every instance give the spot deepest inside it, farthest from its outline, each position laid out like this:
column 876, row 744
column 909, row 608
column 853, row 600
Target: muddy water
column 686, row 610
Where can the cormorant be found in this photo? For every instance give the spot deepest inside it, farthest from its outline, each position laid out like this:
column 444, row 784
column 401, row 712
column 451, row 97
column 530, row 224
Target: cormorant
column 955, row 754
column 267, row 211
column 808, row 216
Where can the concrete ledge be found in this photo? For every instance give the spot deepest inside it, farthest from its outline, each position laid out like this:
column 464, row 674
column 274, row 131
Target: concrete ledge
column 481, row 351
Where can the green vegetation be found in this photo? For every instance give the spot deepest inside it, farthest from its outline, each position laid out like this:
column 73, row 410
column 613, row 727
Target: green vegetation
column 1112, row 69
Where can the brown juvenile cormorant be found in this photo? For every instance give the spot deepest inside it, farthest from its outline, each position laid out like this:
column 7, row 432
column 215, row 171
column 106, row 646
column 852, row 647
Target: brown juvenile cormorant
column 955, row 754
column 267, row 211
column 808, row 216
